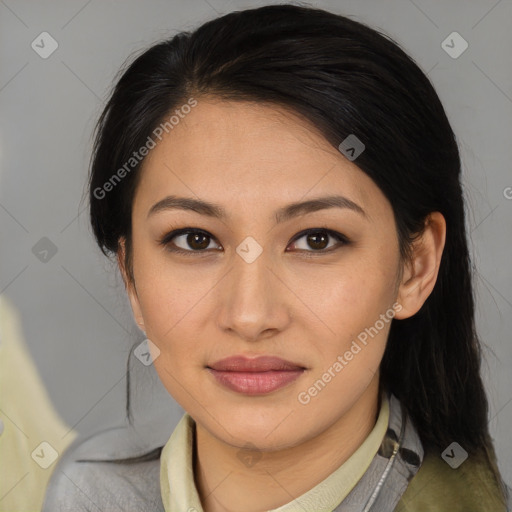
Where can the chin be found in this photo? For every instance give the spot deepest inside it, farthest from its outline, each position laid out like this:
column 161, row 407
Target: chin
column 268, row 432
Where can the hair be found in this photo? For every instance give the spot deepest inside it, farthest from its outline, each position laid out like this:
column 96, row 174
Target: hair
column 343, row 78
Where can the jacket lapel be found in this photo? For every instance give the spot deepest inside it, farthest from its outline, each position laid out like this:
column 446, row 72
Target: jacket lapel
column 397, row 461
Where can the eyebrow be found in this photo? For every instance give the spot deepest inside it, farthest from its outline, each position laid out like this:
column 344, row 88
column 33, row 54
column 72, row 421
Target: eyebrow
column 281, row 215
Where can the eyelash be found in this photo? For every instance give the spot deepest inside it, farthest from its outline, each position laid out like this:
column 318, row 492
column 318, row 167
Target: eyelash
column 165, row 241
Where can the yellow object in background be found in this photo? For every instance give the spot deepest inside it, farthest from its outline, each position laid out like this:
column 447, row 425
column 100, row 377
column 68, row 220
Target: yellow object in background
column 32, row 435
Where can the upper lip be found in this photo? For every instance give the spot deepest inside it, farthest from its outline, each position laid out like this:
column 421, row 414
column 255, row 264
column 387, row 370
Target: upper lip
column 257, row 364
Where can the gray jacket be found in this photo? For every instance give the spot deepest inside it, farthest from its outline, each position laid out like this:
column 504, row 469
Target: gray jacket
column 105, row 486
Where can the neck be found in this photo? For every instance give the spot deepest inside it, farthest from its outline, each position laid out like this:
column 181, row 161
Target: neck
column 225, row 484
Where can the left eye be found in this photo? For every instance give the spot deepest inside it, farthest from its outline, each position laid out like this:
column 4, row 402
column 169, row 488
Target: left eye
column 318, row 239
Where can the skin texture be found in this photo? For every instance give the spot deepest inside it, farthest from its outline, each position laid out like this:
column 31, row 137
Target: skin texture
column 253, row 159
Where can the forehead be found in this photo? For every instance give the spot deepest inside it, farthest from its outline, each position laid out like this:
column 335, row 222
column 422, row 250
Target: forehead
column 250, row 153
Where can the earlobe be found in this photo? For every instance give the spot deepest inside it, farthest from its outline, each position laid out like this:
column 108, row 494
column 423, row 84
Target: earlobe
column 129, row 286
column 420, row 275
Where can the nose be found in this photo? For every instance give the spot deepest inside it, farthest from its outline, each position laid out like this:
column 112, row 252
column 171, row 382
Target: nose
column 253, row 300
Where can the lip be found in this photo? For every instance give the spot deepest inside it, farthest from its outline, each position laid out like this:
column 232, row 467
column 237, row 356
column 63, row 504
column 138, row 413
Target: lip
column 256, row 364
column 255, row 376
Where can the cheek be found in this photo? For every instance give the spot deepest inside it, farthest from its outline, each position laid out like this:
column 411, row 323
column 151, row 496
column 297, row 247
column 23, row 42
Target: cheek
column 349, row 297
column 356, row 310
column 172, row 313
column 167, row 294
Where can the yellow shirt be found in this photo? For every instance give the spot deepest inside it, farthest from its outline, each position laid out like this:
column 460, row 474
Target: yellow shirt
column 176, row 471
column 31, row 433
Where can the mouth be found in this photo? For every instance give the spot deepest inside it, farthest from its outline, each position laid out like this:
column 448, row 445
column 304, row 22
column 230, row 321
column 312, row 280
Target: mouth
column 255, row 376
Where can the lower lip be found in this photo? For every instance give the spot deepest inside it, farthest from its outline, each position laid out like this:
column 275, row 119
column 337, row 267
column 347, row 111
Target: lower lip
column 255, row 383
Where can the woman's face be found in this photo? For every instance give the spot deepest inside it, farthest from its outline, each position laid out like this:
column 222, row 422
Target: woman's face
column 252, row 283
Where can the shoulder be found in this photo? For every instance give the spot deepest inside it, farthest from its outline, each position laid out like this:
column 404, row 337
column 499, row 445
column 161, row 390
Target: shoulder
column 86, row 477
column 438, row 487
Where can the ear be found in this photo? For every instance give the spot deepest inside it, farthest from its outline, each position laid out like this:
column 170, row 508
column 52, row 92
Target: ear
column 420, row 273
column 129, row 285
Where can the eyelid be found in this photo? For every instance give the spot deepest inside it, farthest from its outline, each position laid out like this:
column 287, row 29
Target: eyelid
column 166, row 240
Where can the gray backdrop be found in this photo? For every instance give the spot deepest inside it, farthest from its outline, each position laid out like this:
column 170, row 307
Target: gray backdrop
column 76, row 318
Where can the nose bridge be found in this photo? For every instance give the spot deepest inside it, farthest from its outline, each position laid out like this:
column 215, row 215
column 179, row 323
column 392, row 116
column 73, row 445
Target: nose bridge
column 250, row 300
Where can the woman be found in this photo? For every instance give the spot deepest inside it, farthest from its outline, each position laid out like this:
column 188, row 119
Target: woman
column 281, row 189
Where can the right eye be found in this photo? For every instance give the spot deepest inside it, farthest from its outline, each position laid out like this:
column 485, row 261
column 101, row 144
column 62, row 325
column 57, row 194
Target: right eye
column 196, row 239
